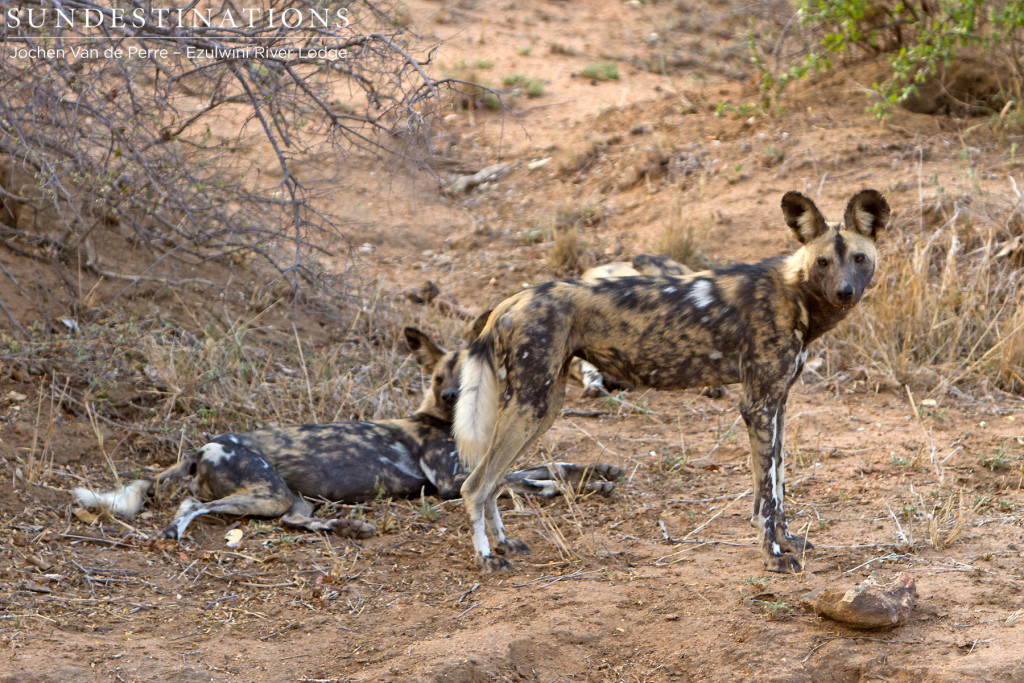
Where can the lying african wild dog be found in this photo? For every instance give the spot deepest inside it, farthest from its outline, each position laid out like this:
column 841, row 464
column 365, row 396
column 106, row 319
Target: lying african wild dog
column 746, row 323
column 267, row 472
column 594, row 383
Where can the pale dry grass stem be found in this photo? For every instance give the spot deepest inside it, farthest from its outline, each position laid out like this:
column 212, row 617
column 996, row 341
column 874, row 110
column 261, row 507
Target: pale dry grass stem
column 916, row 411
column 40, row 457
column 947, row 522
column 552, row 532
column 100, row 435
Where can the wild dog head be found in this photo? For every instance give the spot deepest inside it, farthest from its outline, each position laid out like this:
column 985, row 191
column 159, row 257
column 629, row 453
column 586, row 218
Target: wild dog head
column 837, row 260
column 443, row 368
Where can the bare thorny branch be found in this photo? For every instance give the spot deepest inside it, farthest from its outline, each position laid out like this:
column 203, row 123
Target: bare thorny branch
column 159, row 139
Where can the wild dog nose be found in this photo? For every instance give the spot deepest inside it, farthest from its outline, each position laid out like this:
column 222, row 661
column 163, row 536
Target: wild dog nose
column 450, row 395
column 845, row 292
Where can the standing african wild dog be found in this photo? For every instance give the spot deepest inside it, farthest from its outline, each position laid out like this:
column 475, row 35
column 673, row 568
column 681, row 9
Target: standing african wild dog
column 746, row 323
column 267, row 472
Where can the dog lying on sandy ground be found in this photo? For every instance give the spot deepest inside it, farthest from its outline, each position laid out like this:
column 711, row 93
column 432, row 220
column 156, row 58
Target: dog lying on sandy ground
column 270, row 472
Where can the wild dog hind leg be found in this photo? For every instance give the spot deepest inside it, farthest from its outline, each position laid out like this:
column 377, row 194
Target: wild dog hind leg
column 515, row 433
column 480, row 490
column 235, row 481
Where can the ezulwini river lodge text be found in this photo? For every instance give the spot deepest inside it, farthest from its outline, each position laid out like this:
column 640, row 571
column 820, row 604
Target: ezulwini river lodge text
column 132, row 52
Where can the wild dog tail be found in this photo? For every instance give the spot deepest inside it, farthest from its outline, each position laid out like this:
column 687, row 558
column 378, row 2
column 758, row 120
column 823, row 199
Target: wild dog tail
column 476, row 411
column 126, row 501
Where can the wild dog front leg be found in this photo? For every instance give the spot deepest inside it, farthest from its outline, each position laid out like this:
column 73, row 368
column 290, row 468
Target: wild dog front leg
column 788, row 542
column 301, row 515
column 765, row 417
column 253, row 502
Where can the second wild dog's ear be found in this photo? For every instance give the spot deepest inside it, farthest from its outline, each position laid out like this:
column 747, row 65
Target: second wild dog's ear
column 867, row 213
column 478, row 325
column 424, row 350
column 803, row 217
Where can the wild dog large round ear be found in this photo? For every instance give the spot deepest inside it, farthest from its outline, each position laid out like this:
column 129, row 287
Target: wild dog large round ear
column 802, row 216
column 425, row 351
column 413, row 338
column 867, row 213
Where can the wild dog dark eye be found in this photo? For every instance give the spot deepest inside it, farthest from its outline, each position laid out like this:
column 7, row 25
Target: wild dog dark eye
column 822, row 261
column 858, row 258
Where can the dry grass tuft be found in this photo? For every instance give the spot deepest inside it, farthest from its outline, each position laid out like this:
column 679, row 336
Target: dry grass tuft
column 570, row 253
column 683, row 240
column 551, row 531
column 947, row 522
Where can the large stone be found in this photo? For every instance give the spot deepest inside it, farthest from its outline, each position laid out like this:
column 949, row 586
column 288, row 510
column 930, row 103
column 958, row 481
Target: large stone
column 871, row 604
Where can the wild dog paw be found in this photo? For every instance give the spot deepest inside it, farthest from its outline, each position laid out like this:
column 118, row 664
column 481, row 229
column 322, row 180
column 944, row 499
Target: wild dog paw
column 492, row 564
column 794, row 544
column 511, row 546
column 607, row 472
column 594, row 390
column 713, row 392
column 783, row 563
column 170, row 531
column 605, row 488
column 351, row 528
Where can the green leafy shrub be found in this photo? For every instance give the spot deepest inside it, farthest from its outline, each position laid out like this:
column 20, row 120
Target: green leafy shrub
column 922, row 40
